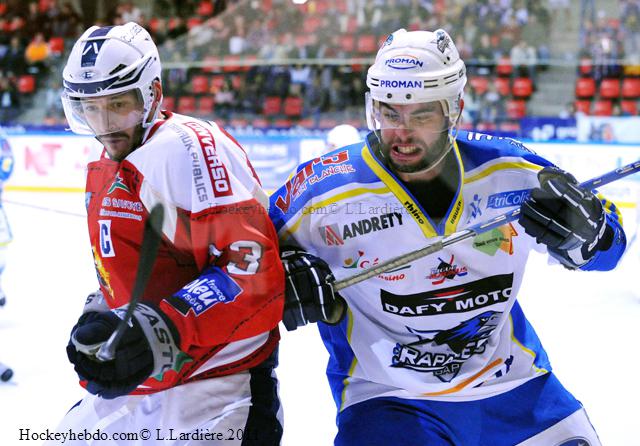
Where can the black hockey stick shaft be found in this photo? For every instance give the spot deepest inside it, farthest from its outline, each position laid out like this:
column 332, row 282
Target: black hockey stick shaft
column 472, row 231
column 151, row 238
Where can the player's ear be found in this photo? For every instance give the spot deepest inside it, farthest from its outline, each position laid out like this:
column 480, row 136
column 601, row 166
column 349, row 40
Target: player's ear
column 156, row 91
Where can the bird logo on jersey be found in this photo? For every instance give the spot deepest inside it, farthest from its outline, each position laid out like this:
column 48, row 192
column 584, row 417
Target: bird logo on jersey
column 442, row 352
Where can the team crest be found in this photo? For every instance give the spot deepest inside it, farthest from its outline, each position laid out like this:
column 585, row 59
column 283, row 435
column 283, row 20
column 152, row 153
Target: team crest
column 443, row 352
column 118, row 184
column 443, row 41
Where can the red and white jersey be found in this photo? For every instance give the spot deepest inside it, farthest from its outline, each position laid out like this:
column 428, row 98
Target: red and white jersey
column 218, row 274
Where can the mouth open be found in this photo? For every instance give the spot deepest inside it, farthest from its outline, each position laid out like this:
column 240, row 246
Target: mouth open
column 405, row 152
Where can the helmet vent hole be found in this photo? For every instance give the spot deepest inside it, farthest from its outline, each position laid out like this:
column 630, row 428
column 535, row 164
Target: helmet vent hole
column 408, row 96
column 389, row 95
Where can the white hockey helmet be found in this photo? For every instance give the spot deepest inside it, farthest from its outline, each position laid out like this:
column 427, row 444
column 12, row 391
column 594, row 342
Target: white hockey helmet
column 342, row 135
column 110, row 61
column 415, row 67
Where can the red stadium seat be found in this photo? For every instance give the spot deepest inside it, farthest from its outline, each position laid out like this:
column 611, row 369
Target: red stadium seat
column 311, row 23
column 480, row 84
column 205, row 8
column 602, row 108
column 327, row 123
column 27, row 84
column 192, row 22
column 283, row 123
column 169, row 103
column 347, row 42
column 631, row 88
column 217, row 81
column 271, row 105
column 583, row 106
column 186, row 105
column 205, row 106
column 199, row 84
column 260, row 123
column 56, row 46
column 630, row 107
column 586, row 66
column 367, row 43
column 233, row 62
column 211, row 64
column 504, row 67
column 610, row 89
column 585, row 87
column 293, row 106
column 516, row 109
column 503, row 85
column 522, row 87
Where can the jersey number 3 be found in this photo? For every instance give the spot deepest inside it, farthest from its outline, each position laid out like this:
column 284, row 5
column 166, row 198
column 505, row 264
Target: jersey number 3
column 245, row 258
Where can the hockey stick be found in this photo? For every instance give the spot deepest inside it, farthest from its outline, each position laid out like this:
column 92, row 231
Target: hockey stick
column 150, row 243
column 472, row 231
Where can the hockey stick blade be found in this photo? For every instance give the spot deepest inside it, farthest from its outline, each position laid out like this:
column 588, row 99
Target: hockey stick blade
column 472, row 231
column 151, row 238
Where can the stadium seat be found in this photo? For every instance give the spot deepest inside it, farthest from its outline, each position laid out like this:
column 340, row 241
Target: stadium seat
column 630, row 107
column 169, row 103
column 186, row 105
column 205, row 8
column 610, row 89
column 199, row 84
column 260, row 123
column 504, row 67
column 585, row 87
column 26, row 84
column 283, row 123
column 631, row 88
column 238, row 122
column 192, row 22
column 522, row 87
column 602, row 107
column 232, row 63
column 56, row 46
column 583, row 106
column 586, row 67
column 516, row 109
column 503, row 86
column 205, row 106
column 328, row 123
column 367, row 44
column 211, row 64
column 293, row 106
column 480, row 84
column 271, row 105
column 311, row 24
column 347, row 42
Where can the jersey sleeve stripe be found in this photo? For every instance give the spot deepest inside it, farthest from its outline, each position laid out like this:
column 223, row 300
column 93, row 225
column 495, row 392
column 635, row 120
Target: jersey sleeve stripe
column 501, row 166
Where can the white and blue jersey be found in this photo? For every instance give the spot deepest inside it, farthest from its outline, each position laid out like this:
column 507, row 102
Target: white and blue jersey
column 446, row 327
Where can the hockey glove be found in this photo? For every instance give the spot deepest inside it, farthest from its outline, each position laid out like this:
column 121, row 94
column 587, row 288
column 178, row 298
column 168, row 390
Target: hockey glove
column 309, row 295
column 148, row 347
column 568, row 219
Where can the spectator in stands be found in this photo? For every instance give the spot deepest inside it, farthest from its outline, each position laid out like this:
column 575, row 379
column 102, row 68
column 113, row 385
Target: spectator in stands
column 225, row 99
column 37, row 54
column 9, row 101
column 67, row 23
column 491, row 106
column 524, row 59
column 630, row 26
column 13, row 59
column 484, row 55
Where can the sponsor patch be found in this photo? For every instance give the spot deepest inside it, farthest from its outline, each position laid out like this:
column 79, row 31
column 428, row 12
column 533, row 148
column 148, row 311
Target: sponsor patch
column 360, row 261
column 474, row 208
column 507, row 199
column 403, row 62
column 458, row 299
column 446, row 270
column 118, row 184
column 497, row 239
column 401, row 83
column 211, row 288
column 335, row 235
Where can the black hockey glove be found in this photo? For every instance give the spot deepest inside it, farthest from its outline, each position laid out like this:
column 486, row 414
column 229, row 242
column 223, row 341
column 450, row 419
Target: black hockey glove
column 148, row 347
column 568, row 219
column 309, row 295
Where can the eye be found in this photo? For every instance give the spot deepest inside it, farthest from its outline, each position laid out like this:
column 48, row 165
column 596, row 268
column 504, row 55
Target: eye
column 390, row 116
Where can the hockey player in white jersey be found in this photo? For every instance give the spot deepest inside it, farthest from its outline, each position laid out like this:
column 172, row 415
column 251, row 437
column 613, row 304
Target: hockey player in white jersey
column 437, row 352
column 6, row 168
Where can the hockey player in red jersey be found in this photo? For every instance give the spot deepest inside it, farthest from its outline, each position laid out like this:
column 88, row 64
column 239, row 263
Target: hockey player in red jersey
column 198, row 357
